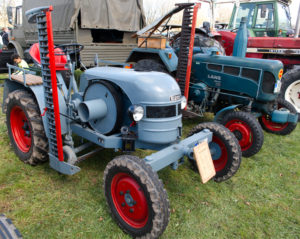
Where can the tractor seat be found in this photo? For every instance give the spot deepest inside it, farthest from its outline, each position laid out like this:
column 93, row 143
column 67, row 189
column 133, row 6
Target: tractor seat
column 60, row 59
column 29, row 79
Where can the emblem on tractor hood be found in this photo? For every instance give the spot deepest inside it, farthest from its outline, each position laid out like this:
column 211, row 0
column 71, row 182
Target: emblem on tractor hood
column 175, row 97
column 214, row 77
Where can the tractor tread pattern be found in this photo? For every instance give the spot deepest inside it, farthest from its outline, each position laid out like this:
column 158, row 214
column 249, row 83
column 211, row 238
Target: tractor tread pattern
column 154, row 185
column 257, row 132
column 7, row 229
column 39, row 150
column 233, row 145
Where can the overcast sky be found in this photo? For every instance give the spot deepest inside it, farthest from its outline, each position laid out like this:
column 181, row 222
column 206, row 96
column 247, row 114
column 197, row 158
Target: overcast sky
column 204, row 8
column 158, row 3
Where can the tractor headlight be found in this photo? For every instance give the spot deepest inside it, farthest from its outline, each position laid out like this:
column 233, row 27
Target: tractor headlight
column 183, row 102
column 136, row 112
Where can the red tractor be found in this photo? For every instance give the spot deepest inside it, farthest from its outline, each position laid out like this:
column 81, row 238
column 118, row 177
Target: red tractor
column 270, row 37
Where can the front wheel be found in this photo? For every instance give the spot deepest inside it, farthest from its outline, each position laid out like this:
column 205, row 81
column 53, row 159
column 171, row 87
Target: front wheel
column 225, row 150
column 136, row 197
column 278, row 128
column 246, row 129
column 8, row 229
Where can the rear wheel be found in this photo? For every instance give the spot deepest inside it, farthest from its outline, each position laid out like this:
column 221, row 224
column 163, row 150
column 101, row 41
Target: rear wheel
column 149, row 65
column 25, row 127
column 136, row 197
column 246, row 129
column 225, row 150
column 278, row 128
column 290, row 89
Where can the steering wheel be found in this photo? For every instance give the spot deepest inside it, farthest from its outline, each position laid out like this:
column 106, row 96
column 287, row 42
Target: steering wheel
column 70, row 48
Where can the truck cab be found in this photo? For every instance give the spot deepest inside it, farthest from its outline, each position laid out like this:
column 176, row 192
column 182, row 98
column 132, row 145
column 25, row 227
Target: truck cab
column 264, row 18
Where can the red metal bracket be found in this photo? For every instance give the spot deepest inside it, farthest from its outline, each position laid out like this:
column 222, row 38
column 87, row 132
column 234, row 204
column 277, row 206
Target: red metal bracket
column 190, row 57
column 54, row 84
column 44, row 112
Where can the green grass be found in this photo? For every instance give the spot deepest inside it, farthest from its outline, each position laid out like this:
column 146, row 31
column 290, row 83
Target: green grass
column 260, row 201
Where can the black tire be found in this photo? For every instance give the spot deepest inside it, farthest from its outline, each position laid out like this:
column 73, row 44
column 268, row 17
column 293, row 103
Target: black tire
column 152, row 205
column 246, row 129
column 228, row 162
column 21, row 105
column 7, row 229
column 116, row 97
column 277, row 128
column 291, row 79
column 149, row 65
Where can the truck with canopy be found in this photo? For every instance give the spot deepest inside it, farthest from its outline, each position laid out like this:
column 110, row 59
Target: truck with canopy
column 103, row 27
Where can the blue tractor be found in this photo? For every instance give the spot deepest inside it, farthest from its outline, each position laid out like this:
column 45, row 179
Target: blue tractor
column 236, row 89
column 113, row 108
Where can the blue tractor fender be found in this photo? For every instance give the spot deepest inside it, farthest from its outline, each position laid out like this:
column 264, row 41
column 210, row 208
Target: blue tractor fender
column 220, row 114
column 38, row 92
column 140, row 87
column 166, row 56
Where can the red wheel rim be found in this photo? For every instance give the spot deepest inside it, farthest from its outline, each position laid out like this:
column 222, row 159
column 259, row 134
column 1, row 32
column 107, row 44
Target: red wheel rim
column 242, row 131
column 266, row 119
column 20, row 129
column 221, row 162
column 129, row 200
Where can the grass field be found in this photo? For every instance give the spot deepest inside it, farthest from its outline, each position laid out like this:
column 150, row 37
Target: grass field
column 261, row 201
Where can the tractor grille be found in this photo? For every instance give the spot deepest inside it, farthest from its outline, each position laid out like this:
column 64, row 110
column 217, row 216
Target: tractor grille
column 268, row 82
column 232, row 70
column 162, row 111
column 179, row 109
column 251, row 74
column 214, row 67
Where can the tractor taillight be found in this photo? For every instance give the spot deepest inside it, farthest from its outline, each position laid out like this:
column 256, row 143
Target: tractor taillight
column 280, row 74
column 170, row 55
column 130, row 66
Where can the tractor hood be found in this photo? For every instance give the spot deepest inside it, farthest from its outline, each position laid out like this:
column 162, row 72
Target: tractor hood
column 256, row 78
column 140, row 87
column 272, row 66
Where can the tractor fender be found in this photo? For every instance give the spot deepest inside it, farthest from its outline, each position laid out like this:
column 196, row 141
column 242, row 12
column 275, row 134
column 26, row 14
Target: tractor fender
column 38, row 92
column 166, row 56
column 16, row 45
column 140, row 87
column 220, row 114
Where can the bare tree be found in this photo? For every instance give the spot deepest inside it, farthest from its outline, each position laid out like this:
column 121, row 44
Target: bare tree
column 3, row 14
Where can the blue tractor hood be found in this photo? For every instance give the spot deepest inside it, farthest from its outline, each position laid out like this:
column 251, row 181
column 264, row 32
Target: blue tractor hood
column 140, row 87
column 273, row 66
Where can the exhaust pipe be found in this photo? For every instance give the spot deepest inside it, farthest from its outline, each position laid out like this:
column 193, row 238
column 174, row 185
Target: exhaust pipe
column 297, row 24
column 92, row 110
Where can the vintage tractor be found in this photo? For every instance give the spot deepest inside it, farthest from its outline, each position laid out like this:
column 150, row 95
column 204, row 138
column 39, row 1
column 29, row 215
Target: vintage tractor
column 270, row 37
column 236, row 89
column 113, row 108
